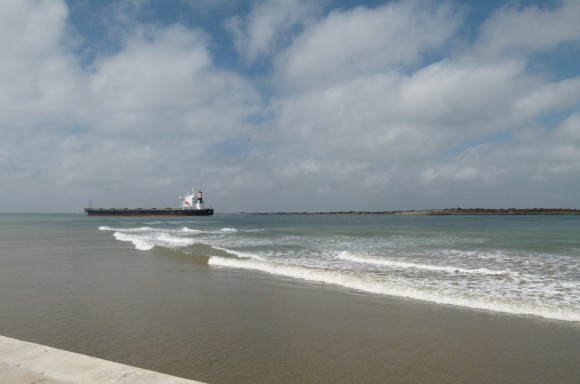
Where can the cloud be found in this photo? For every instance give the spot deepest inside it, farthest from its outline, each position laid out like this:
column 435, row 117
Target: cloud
column 538, row 165
column 165, row 81
column 353, row 110
column 360, row 41
column 550, row 96
column 147, row 114
column 268, row 25
column 390, row 119
column 386, row 107
column 520, row 31
column 162, row 98
column 570, row 131
column 36, row 72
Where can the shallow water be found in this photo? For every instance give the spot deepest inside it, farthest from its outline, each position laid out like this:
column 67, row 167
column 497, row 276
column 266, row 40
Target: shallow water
column 521, row 265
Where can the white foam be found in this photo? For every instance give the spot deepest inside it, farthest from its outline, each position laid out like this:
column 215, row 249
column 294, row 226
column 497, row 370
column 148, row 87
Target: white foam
column 371, row 285
column 139, row 243
column 190, row 230
column 346, row 255
column 242, row 255
column 145, row 242
column 183, row 229
column 128, row 230
column 168, row 239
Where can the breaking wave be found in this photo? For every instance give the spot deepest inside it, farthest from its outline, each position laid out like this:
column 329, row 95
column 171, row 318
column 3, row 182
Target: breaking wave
column 183, row 229
column 145, row 242
column 438, row 275
column 346, row 255
column 368, row 284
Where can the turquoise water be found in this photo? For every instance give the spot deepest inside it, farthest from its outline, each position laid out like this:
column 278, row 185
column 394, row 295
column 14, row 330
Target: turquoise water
column 526, row 265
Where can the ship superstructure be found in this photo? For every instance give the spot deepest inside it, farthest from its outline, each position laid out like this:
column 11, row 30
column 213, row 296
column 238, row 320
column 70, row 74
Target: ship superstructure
column 193, row 200
column 191, row 205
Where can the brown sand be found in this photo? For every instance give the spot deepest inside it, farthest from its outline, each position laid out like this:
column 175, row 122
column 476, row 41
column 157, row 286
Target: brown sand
column 170, row 313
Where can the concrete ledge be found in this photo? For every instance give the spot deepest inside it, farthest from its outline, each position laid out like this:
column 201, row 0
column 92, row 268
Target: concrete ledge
column 22, row 362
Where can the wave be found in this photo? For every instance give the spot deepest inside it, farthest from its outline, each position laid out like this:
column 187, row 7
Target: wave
column 370, row 285
column 139, row 243
column 127, row 230
column 239, row 254
column 189, row 230
column 149, row 229
column 183, row 229
column 346, row 255
column 145, row 242
column 198, row 253
column 214, row 241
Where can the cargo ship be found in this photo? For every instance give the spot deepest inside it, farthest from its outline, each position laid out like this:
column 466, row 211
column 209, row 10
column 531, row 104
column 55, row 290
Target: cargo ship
column 191, row 205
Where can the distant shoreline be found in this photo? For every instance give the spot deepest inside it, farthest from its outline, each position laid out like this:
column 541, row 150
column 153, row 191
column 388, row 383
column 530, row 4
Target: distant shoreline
column 436, row 212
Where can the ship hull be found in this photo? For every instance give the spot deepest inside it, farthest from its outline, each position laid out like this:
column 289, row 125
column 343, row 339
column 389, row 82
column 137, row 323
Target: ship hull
column 147, row 212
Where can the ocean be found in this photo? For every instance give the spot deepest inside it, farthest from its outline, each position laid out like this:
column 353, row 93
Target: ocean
column 301, row 298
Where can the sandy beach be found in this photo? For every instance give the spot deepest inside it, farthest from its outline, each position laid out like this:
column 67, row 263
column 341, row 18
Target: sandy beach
column 306, row 333
column 238, row 327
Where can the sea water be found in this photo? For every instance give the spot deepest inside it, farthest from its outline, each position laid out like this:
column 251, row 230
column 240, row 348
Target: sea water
column 301, row 298
column 524, row 265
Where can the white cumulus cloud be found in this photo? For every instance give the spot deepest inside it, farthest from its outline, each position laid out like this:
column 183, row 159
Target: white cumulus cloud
column 359, row 41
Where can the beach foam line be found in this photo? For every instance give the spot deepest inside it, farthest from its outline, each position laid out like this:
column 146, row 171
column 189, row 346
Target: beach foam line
column 370, row 285
column 25, row 362
column 346, row 255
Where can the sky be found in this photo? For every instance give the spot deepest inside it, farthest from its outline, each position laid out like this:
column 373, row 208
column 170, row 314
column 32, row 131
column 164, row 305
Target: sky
column 289, row 105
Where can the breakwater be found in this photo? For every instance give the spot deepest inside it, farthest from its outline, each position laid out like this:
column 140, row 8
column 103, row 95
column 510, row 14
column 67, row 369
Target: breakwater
column 28, row 363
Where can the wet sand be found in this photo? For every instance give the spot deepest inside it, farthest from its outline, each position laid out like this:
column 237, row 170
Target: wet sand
column 305, row 333
column 172, row 313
